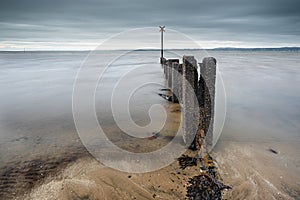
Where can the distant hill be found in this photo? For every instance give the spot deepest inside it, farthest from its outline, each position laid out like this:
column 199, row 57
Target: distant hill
column 256, row 49
column 231, row 49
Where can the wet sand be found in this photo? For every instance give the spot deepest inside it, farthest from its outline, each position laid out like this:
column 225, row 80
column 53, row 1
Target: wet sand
column 88, row 179
column 259, row 170
column 248, row 168
column 17, row 178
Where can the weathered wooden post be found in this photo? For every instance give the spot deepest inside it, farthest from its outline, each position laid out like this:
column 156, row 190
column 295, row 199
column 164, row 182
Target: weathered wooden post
column 190, row 107
column 180, row 70
column 166, row 69
column 164, row 64
column 206, row 96
column 176, row 81
column 169, row 69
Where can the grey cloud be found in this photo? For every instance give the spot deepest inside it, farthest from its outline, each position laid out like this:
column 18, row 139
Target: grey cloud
column 273, row 21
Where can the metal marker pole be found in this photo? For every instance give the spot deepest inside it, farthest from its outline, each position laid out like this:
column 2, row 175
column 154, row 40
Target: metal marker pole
column 162, row 30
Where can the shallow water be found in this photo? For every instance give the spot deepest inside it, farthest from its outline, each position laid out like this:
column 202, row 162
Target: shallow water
column 262, row 90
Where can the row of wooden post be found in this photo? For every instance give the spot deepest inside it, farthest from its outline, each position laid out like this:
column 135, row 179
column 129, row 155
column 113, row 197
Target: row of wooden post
column 196, row 94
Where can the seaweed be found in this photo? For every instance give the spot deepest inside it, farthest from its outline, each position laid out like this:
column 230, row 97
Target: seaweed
column 205, row 187
column 186, row 161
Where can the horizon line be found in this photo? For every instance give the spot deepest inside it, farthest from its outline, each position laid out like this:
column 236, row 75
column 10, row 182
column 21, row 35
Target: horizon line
column 158, row 49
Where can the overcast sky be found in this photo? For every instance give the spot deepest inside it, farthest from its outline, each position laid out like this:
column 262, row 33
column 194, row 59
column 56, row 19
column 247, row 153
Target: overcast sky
column 83, row 24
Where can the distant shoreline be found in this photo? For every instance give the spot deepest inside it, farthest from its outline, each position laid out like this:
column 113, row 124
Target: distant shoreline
column 286, row 49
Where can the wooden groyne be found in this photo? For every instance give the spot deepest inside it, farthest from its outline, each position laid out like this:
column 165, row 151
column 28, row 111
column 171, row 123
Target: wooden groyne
column 193, row 86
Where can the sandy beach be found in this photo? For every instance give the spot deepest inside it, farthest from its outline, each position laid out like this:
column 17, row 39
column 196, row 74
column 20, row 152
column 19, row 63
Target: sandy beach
column 88, row 179
column 239, row 166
